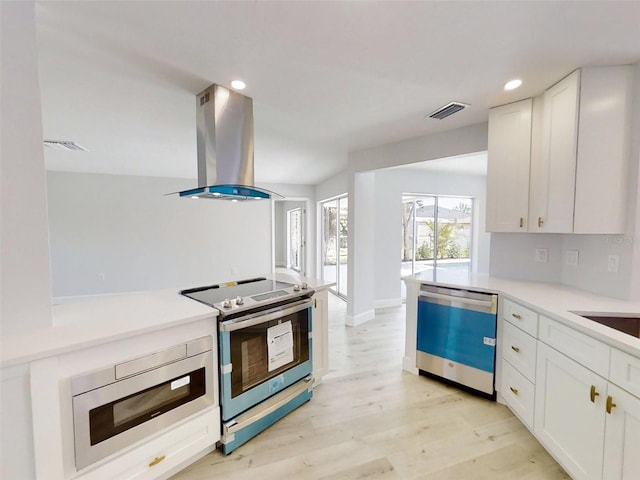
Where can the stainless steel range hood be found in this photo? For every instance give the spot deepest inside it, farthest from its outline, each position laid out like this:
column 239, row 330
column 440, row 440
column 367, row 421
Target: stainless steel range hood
column 225, row 147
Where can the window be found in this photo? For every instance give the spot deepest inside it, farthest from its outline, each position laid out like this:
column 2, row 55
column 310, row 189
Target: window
column 436, row 234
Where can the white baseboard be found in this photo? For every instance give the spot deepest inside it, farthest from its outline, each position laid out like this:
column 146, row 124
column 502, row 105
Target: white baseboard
column 387, row 303
column 355, row 320
column 409, row 365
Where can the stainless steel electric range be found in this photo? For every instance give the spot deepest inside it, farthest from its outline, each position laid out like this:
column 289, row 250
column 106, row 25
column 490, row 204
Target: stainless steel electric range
column 264, row 340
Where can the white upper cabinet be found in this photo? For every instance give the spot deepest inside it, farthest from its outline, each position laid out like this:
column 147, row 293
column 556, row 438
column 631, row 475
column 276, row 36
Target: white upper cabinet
column 606, row 101
column 553, row 171
column 508, row 167
column 579, row 157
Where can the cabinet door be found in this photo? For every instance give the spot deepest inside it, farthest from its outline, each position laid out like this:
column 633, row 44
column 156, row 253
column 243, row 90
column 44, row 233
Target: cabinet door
column 622, row 439
column 569, row 420
column 553, row 172
column 508, row 167
column 320, row 336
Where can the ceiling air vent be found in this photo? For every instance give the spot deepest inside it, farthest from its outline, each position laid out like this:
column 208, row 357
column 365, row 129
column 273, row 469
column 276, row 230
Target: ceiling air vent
column 64, row 145
column 448, row 109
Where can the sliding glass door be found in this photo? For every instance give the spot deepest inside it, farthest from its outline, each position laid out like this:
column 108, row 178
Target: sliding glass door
column 334, row 238
column 436, row 235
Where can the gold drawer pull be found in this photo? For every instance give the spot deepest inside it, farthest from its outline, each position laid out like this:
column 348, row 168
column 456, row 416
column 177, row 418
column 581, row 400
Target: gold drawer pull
column 515, row 349
column 593, row 394
column 521, row 222
column 157, row 460
column 540, row 222
column 514, row 390
column 610, row 404
column 515, row 315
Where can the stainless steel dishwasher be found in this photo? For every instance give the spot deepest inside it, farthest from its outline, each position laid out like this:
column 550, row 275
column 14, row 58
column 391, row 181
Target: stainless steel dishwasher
column 456, row 337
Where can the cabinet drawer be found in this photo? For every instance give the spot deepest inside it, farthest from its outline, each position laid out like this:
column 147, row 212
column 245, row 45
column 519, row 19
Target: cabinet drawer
column 521, row 317
column 518, row 392
column 165, row 454
column 519, row 349
column 625, row 371
column 585, row 350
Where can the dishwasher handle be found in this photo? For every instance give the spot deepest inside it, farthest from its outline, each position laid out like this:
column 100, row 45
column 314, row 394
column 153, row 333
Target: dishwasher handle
column 450, row 298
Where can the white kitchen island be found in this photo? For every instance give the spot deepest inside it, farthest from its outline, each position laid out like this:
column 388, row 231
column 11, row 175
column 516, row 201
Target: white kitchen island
column 90, row 334
column 573, row 382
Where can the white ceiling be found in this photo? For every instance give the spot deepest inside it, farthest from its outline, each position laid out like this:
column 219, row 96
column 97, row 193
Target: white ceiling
column 327, row 78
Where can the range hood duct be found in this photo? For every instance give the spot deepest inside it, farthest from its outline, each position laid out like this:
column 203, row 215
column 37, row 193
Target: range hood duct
column 225, row 147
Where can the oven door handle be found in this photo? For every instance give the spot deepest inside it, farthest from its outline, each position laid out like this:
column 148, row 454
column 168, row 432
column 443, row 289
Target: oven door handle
column 264, row 316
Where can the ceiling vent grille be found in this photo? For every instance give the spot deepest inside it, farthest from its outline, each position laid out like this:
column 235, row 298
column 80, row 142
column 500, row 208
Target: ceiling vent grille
column 64, row 145
column 448, row 109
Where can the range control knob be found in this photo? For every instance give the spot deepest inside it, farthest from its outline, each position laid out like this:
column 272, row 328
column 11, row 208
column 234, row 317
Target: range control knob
column 305, row 286
column 227, row 303
column 296, row 288
column 239, row 301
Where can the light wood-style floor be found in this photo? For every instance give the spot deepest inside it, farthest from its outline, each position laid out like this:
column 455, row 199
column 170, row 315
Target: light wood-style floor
column 369, row 419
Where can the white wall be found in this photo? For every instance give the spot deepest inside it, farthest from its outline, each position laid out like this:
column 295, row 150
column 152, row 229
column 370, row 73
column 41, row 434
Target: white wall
column 25, row 285
column 122, row 233
column 390, row 185
column 332, row 187
column 362, row 268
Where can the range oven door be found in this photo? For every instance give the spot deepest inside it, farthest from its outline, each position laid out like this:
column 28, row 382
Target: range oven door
column 263, row 353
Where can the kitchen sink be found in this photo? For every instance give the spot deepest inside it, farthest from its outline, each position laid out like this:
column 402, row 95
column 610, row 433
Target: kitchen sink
column 628, row 324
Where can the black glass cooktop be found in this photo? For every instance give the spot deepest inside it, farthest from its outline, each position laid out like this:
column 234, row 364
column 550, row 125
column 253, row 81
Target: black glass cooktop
column 213, row 294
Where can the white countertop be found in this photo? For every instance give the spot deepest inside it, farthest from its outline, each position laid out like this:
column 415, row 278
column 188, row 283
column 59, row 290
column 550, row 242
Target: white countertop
column 552, row 300
column 90, row 322
column 97, row 320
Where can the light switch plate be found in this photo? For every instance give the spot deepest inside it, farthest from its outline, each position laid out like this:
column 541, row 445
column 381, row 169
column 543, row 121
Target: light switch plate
column 541, row 255
column 571, row 258
column 613, row 263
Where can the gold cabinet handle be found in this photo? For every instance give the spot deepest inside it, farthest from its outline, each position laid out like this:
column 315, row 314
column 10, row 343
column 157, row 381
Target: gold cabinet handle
column 514, row 390
column 515, row 315
column 593, row 394
column 610, row 404
column 521, row 222
column 157, row 460
column 515, row 349
column 540, row 222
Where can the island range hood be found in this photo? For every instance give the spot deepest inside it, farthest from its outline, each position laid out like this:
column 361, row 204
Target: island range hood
column 225, row 147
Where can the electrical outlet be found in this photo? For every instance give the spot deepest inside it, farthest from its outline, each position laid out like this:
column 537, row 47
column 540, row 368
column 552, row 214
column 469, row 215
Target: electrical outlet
column 613, row 263
column 571, row 258
column 541, row 255
column 234, row 270
column 102, row 277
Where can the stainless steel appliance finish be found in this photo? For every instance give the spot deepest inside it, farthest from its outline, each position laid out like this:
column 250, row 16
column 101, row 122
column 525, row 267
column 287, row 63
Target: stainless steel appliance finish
column 265, row 346
column 233, row 298
column 456, row 336
column 121, row 404
column 225, row 146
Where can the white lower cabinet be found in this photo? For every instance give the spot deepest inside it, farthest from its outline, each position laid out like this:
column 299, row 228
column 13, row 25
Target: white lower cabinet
column 622, row 437
column 518, row 392
column 164, row 455
column 320, row 335
column 570, row 413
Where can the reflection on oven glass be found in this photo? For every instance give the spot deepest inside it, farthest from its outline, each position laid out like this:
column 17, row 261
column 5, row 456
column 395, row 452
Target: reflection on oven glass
column 146, row 402
column 253, row 366
column 264, row 351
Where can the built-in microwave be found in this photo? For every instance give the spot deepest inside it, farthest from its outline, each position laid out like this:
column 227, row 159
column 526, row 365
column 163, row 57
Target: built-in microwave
column 119, row 405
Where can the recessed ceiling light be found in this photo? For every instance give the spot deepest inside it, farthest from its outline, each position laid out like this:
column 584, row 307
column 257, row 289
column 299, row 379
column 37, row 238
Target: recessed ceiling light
column 513, row 84
column 238, row 85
